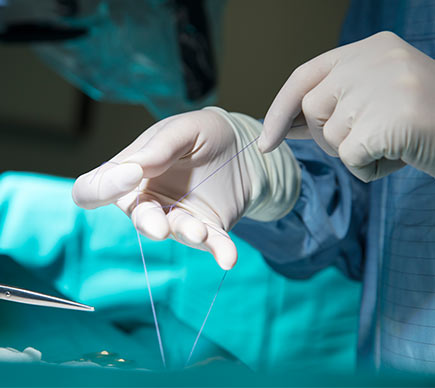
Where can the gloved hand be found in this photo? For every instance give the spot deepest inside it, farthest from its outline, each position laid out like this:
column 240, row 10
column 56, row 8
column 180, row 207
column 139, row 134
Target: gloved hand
column 12, row 355
column 372, row 103
column 173, row 158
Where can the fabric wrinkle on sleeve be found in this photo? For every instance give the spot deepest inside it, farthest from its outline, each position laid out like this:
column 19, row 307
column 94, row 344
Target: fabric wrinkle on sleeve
column 326, row 226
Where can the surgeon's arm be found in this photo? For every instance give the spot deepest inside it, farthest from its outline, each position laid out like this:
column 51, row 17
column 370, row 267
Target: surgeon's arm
column 326, row 226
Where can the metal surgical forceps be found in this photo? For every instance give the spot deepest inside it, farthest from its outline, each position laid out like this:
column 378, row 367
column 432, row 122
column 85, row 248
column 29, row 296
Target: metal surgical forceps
column 20, row 295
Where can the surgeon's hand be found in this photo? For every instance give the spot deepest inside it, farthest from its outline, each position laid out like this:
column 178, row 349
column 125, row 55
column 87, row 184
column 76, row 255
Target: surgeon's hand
column 162, row 180
column 372, row 103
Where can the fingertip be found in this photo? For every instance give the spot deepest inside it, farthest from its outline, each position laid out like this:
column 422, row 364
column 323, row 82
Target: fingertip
column 353, row 153
column 220, row 245
column 226, row 257
column 158, row 233
column 227, row 263
column 77, row 193
column 197, row 234
column 357, row 160
column 190, row 238
column 264, row 145
column 260, row 144
column 150, row 220
column 186, row 227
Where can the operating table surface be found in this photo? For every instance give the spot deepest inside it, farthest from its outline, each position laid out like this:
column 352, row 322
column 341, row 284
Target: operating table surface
column 62, row 335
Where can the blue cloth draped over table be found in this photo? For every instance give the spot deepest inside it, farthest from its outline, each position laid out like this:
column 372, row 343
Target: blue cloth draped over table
column 260, row 318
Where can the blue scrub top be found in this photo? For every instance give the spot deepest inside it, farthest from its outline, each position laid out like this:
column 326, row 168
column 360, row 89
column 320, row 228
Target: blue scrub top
column 383, row 232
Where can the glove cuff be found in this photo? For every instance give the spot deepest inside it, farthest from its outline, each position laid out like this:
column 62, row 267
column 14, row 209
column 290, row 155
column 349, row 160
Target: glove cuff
column 275, row 177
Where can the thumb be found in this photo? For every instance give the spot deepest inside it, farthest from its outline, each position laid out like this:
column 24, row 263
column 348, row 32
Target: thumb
column 164, row 144
column 105, row 184
column 287, row 104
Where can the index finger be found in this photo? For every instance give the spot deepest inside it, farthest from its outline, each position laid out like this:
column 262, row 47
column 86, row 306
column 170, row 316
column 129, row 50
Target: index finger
column 113, row 179
column 103, row 186
column 287, row 105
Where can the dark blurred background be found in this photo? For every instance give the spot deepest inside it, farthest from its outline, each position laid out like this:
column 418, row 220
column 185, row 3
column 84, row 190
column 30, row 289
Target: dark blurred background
column 48, row 126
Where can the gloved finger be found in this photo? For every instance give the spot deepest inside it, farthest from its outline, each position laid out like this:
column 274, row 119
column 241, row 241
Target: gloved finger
column 220, row 245
column 377, row 169
column 353, row 152
column 186, row 228
column 364, row 156
column 110, row 181
column 336, row 129
column 141, row 140
column 299, row 130
column 287, row 104
column 318, row 105
column 417, row 149
column 149, row 219
column 105, row 184
column 174, row 140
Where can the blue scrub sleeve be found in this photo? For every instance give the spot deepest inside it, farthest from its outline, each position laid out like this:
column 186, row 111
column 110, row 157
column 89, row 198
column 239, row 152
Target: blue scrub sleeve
column 327, row 225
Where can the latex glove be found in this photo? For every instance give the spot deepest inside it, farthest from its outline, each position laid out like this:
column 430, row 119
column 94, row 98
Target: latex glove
column 172, row 158
column 372, row 103
column 12, row 355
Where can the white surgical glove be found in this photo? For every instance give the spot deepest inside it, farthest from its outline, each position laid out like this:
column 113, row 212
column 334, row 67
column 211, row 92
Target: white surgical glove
column 172, row 158
column 372, row 103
